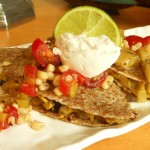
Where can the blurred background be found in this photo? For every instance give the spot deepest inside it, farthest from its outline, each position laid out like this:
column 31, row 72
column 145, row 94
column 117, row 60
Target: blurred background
column 17, row 10
column 22, row 21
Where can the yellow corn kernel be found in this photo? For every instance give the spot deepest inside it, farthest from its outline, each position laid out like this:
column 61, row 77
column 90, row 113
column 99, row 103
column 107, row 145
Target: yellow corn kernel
column 2, row 106
column 50, row 76
column 43, row 99
column 20, row 120
column 42, row 75
column 58, row 92
column 136, row 46
column 11, row 120
column 38, row 81
column 56, row 80
column 15, row 105
column 50, row 68
column 48, row 105
column 43, row 86
column 63, row 68
column 107, row 83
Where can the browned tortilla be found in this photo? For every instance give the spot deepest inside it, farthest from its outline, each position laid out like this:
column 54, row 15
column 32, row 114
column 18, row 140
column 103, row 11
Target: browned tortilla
column 17, row 57
column 133, row 73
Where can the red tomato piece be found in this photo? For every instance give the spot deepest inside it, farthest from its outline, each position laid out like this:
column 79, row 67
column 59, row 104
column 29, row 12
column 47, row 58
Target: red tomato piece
column 28, row 89
column 28, row 86
column 30, row 74
column 146, row 40
column 43, row 55
column 133, row 39
column 4, row 125
column 92, row 82
column 30, row 71
column 11, row 111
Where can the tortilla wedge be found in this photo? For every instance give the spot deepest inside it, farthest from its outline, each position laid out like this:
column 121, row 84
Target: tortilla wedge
column 133, row 73
column 90, row 107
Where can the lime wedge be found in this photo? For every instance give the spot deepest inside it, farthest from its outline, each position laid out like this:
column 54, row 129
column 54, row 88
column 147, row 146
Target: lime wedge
column 89, row 20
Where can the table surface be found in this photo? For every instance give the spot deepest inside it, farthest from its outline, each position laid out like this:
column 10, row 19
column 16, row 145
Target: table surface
column 47, row 13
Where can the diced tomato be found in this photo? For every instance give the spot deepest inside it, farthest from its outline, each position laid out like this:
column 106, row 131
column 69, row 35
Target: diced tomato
column 43, row 55
column 11, row 111
column 146, row 40
column 133, row 39
column 28, row 86
column 28, row 89
column 30, row 71
column 4, row 125
column 97, row 81
column 67, row 79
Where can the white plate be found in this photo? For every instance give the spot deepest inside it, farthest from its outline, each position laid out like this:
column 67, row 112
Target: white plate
column 65, row 136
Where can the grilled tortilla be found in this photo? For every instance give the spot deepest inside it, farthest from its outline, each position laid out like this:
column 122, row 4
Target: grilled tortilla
column 91, row 106
column 129, row 74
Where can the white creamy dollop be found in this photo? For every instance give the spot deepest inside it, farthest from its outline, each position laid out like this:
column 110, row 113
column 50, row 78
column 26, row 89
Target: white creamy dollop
column 90, row 56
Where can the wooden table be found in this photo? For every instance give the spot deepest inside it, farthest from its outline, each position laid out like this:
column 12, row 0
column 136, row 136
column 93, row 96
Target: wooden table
column 47, row 13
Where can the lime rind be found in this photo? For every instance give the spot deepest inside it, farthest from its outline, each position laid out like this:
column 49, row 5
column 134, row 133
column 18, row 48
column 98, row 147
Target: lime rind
column 90, row 20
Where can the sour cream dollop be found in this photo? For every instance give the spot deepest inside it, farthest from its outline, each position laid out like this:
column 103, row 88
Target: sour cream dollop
column 89, row 56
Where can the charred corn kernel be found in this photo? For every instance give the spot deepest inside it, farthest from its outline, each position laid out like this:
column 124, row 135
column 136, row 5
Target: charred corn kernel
column 48, row 105
column 11, row 120
column 107, row 83
column 36, row 125
column 58, row 92
column 50, row 68
column 22, row 111
column 38, row 81
column 5, row 63
column 63, row 68
column 42, row 75
column 15, row 105
column 20, row 120
column 56, row 80
column 43, row 86
column 2, row 106
column 50, row 76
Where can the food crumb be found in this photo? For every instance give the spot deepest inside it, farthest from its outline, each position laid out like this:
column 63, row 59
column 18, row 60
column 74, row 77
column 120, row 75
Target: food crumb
column 36, row 125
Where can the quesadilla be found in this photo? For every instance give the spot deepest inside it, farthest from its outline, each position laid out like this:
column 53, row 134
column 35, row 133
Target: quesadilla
column 90, row 106
column 131, row 72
